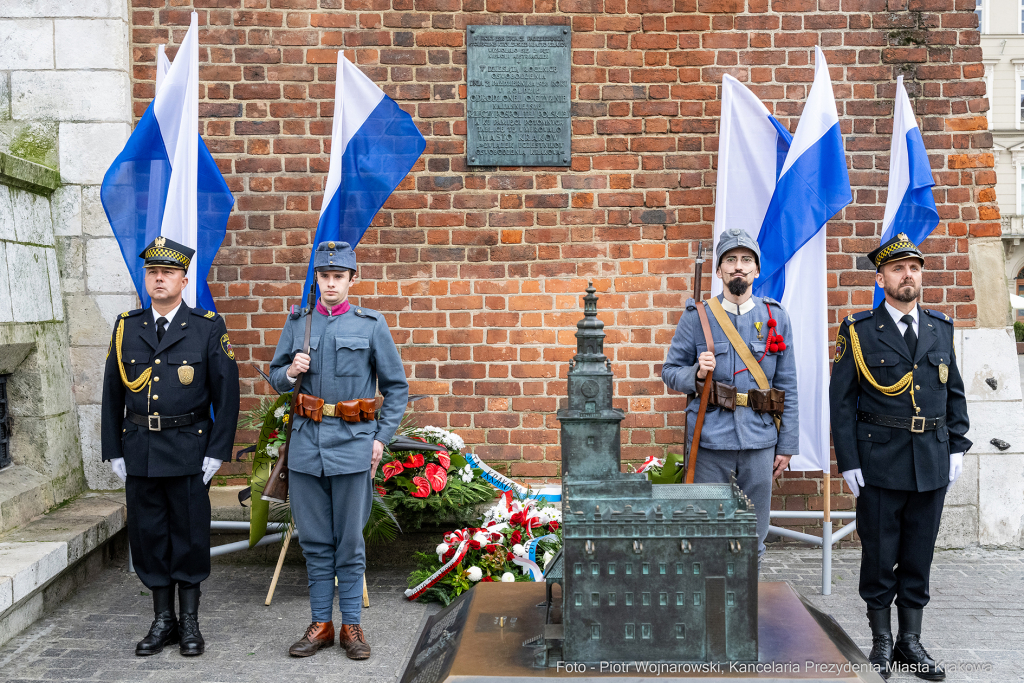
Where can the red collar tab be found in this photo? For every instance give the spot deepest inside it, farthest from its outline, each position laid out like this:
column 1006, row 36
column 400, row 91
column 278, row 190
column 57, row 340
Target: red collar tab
column 339, row 309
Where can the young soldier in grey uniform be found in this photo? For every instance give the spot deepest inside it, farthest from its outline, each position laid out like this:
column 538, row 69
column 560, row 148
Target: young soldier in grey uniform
column 334, row 450
column 166, row 367
column 899, row 425
column 736, row 437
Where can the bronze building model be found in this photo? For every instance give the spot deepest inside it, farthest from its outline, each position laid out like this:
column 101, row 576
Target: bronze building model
column 654, row 572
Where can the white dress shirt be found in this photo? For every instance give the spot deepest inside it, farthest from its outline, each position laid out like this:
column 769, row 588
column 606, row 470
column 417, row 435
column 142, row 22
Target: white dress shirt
column 896, row 315
column 169, row 316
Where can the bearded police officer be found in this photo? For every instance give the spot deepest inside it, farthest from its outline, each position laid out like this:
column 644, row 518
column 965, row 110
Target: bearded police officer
column 754, row 373
column 167, row 366
column 899, row 420
column 337, row 441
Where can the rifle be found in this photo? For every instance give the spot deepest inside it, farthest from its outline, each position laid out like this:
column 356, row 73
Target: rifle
column 691, row 462
column 276, row 490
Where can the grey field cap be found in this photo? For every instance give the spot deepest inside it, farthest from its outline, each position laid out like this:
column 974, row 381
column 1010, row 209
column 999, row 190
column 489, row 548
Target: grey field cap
column 734, row 238
column 334, row 256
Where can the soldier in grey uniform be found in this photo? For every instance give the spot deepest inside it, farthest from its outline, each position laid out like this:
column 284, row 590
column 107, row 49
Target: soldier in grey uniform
column 332, row 460
column 735, row 437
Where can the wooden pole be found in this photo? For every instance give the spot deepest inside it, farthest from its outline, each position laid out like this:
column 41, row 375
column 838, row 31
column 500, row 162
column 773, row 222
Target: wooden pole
column 280, row 563
column 828, row 497
column 366, row 594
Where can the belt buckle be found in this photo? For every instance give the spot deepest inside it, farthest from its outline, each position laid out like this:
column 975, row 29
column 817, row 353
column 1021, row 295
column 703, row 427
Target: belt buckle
column 150, row 419
column 914, row 423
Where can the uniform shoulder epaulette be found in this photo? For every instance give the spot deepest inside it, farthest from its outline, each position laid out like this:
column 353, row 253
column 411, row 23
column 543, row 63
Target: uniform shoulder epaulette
column 129, row 314
column 209, row 315
column 366, row 312
column 295, row 313
column 769, row 300
column 938, row 314
column 691, row 305
column 859, row 315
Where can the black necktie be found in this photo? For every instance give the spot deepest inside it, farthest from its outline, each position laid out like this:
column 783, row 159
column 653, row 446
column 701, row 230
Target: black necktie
column 160, row 322
column 909, row 334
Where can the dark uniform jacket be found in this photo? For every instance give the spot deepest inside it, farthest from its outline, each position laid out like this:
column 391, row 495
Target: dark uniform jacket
column 193, row 369
column 891, row 457
column 352, row 355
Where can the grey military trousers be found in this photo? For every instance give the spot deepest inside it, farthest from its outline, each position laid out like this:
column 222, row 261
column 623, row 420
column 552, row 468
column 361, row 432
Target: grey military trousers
column 753, row 470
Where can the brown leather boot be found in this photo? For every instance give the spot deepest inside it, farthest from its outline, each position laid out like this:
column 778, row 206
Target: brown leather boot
column 352, row 639
column 320, row 634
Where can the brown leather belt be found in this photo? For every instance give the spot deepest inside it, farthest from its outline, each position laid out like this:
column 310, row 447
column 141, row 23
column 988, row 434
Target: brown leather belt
column 155, row 423
column 771, row 401
column 356, row 410
column 914, row 424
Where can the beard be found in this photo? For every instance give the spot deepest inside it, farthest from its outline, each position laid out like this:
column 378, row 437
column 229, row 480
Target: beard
column 738, row 286
column 905, row 292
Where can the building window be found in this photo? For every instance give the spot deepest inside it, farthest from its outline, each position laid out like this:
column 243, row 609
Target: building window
column 646, row 599
column 1020, row 187
column 663, row 568
column 630, row 630
column 990, row 92
column 578, row 599
column 730, row 568
column 647, row 568
column 979, row 11
column 679, row 567
column 578, row 568
column 679, row 598
column 629, row 599
column 595, row 568
column 680, row 631
column 595, row 632
column 696, row 568
column 730, row 598
column 595, row 599
column 663, row 599
column 611, row 569
column 696, row 599
column 611, row 599
column 629, row 568
column 645, row 631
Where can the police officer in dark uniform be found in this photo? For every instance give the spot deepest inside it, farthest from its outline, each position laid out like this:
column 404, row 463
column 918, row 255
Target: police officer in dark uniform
column 899, row 420
column 167, row 366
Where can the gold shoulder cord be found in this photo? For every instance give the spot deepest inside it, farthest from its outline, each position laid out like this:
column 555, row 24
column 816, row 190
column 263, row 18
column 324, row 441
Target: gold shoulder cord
column 906, row 382
column 143, row 379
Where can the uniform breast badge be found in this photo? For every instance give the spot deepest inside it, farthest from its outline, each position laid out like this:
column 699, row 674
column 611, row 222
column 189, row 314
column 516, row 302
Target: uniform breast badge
column 943, row 372
column 758, row 326
column 185, row 374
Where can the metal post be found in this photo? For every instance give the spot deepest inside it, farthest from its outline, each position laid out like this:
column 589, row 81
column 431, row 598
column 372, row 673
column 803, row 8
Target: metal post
column 131, row 565
column 826, row 558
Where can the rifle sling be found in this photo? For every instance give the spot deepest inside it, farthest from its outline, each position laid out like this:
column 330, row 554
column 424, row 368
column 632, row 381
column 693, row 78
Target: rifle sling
column 691, row 462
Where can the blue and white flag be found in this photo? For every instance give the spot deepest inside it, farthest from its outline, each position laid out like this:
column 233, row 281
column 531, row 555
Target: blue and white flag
column 813, row 186
column 165, row 181
column 374, row 145
column 909, row 206
column 752, row 148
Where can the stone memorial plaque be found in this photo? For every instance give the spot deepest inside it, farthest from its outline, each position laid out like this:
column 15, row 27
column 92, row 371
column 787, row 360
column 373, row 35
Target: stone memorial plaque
column 518, row 98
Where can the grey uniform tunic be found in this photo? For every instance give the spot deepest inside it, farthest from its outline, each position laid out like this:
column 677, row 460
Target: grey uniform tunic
column 351, row 356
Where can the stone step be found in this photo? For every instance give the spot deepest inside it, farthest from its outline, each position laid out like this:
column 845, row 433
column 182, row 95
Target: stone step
column 41, row 561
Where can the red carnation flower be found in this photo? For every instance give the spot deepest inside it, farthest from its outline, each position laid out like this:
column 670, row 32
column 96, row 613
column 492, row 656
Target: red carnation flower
column 488, row 578
column 272, row 435
column 552, row 525
column 392, row 468
column 422, row 487
column 413, row 461
column 490, row 547
column 517, row 519
column 474, row 545
column 444, row 459
column 516, row 537
column 437, row 477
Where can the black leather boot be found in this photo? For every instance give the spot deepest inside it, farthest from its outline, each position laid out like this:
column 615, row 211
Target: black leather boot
column 908, row 651
column 880, row 658
column 192, row 643
column 164, row 630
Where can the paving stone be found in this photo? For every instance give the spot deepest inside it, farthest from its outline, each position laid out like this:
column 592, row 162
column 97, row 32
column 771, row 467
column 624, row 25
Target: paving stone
column 977, row 607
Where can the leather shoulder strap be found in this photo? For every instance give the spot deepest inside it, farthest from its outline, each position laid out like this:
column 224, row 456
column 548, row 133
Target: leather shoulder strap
column 705, row 325
column 738, row 344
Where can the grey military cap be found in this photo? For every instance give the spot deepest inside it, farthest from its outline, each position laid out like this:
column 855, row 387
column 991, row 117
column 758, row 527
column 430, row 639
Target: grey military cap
column 734, row 238
column 334, row 256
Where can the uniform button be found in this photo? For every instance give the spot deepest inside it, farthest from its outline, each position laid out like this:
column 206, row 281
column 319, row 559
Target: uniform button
column 184, row 362
column 869, row 436
column 883, row 360
column 133, row 360
column 915, row 366
column 917, row 387
column 156, row 379
column 155, row 397
column 157, row 361
column 200, row 431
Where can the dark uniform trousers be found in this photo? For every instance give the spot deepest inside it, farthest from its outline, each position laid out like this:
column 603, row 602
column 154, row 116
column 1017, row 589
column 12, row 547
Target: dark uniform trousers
column 905, row 473
column 191, row 370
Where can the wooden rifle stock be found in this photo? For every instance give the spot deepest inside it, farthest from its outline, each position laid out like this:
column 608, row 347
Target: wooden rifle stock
column 698, row 425
column 276, row 489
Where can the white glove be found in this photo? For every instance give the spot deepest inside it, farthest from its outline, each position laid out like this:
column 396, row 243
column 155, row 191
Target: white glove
column 117, row 465
column 854, row 479
column 956, row 466
column 210, row 467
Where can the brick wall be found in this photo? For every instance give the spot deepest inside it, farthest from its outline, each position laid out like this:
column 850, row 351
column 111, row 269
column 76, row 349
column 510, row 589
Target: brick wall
column 479, row 271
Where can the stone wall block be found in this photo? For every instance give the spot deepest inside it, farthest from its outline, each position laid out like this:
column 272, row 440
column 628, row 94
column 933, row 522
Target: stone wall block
column 30, row 283
column 53, row 277
column 8, row 232
column 94, row 218
column 1001, row 486
column 6, row 310
column 66, row 210
column 32, row 221
column 70, row 95
column 965, row 490
column 71, row 261
column 990, row 354
column 115, row 9
column 91, row 317
column 98, row 475
column 32, row 564
column 105, row 268
column 89, row 363
column 27, row 43
column 91, row 44
column 958, row 528
column 87, row 150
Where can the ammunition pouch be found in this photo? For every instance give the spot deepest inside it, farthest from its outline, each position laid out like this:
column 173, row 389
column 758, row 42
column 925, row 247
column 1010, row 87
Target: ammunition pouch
column 310, row 407
column 722, row 394
column 354, row 410
column 771, row 400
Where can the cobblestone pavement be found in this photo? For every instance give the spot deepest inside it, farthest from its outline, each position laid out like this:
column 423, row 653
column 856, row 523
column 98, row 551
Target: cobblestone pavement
column 975, row 620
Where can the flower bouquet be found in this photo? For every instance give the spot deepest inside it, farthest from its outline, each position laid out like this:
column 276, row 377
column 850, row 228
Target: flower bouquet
column 427, row 486
column 668, row 471
column 513, row 541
